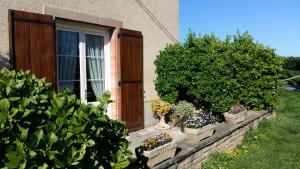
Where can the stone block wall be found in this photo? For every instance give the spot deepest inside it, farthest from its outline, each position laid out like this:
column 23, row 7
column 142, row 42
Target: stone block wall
column 227, row 138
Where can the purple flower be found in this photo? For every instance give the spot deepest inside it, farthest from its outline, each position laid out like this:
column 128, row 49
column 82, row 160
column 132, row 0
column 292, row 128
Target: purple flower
column 237, row 108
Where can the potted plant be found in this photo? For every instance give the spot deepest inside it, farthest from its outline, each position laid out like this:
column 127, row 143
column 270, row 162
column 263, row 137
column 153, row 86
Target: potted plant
column 180, row 112
column 158, row 148
column 200, row 126
column 161, row 108
column 236, row 114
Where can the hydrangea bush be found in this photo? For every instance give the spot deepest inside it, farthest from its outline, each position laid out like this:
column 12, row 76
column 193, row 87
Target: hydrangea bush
column 43, row 129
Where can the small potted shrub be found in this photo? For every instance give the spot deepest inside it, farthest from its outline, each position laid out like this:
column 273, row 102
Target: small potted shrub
column 159, row 148
column 236, row 114
column 180, row 112
column 200, row 126
column 161, row 108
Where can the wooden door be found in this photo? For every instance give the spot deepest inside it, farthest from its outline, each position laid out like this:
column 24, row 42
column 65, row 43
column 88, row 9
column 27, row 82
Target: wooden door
column 32, row 43
column 131, row 59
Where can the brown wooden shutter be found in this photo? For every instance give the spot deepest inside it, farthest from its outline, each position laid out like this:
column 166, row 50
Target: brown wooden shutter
column 32, row 43
column 131, row 59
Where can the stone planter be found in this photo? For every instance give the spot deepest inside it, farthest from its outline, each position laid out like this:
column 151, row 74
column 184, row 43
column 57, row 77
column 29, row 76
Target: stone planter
column 235, row 118
column 162, row 125
column 198, row 134
column 160, row 153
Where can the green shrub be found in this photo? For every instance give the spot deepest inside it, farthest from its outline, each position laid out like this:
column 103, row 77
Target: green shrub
column 216, row 74
column 43, row 129
column 291, row 63
column 181, row 111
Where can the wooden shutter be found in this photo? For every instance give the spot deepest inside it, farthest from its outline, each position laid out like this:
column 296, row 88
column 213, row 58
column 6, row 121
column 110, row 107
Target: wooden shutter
column 32, row 43
column 131, row 59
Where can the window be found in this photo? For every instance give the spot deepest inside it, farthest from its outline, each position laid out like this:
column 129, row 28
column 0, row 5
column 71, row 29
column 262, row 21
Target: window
column 82, row 62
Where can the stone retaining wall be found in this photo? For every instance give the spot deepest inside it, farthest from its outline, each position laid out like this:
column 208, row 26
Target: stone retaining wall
column 226, row 138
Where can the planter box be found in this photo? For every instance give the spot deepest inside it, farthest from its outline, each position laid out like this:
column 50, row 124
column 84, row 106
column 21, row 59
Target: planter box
column 161, row 153
column 235, row 118
column 200, row 133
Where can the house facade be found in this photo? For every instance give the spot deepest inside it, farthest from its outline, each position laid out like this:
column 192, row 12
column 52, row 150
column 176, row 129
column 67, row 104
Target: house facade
column 92, row 46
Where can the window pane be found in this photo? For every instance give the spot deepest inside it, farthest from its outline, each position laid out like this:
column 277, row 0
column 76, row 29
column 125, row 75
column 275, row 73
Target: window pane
column 68, row 61
column 74, row 86
column 95, row 66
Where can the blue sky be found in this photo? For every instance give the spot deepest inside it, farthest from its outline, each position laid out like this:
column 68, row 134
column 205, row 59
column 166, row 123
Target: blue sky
column 275, row 23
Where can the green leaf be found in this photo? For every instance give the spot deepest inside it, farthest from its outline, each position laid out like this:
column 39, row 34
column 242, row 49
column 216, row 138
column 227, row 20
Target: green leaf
column 14, row 99
column 39, row 134
column 7, row 89
column 52, row 139
column 20, row 146
column 58, row 163
column 119, row 155
column 27, row 112
column 122, row 164
column 14, row 111
column 24, row 132
column 48, row 113
column 32, row 154
column 12, row 159
column 90, row 143
column 69, row 134
column 45, row 166
column 128, row 153
column 51, row 154
column 4, row 104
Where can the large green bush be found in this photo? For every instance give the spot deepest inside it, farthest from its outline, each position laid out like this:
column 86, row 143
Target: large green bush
column 42, row 129
column 216, row 74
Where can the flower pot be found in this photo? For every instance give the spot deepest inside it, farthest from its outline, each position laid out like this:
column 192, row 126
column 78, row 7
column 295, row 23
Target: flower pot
column 160, row 153
column 235, row 118
column 198, row 134
column 162, row 125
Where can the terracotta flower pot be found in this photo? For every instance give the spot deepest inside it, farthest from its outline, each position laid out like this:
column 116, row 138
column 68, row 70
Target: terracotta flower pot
column 235, row 118
column 160, row 153
column 198, row 134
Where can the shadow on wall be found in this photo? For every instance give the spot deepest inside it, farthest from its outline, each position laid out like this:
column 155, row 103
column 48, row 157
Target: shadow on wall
column 4, row 61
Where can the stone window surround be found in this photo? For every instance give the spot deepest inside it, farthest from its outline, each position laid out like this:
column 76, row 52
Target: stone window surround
column 81, row 17
column 76, row 16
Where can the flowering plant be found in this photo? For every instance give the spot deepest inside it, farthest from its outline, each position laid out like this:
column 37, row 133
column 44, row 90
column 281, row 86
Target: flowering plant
column 160, row 107
column 236, row 109
column 156, row 141
column 201, row 119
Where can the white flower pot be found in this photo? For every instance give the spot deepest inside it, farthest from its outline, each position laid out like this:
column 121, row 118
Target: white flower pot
column 162, row 125
column 235, row 118
column 198, row 134
column 160, row 153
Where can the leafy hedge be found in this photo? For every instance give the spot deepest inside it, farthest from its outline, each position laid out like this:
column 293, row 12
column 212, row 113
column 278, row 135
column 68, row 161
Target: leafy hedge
column 216, row 74
column 43, row 129
column 291, row 63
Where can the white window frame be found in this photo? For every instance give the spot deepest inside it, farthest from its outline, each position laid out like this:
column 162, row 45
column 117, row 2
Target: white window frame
column 82, row 57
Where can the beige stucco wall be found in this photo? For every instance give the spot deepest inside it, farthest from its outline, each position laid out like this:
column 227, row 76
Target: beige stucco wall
column 127, row 11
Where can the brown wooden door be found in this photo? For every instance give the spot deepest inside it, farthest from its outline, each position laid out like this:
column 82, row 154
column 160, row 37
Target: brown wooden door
column 32, row 43
column 131, row 59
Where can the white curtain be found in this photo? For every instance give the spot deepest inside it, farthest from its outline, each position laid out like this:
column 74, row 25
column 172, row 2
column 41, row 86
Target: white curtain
column 95, row 63
column 68, row 59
